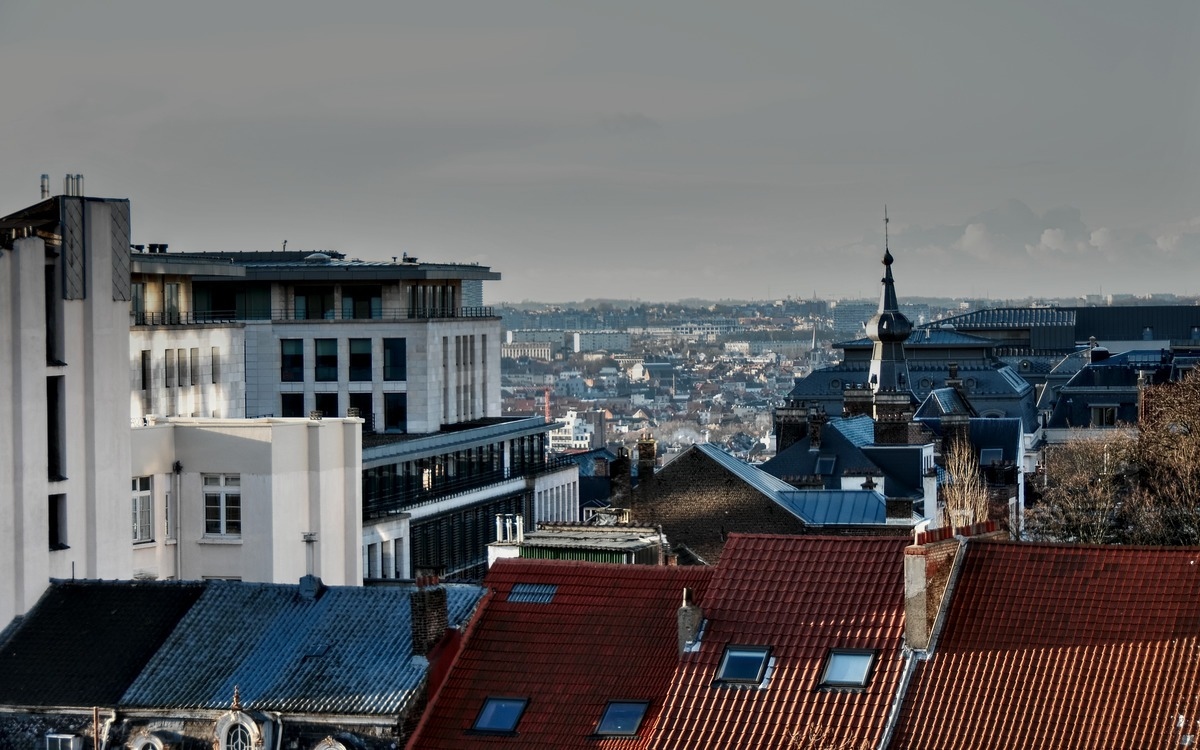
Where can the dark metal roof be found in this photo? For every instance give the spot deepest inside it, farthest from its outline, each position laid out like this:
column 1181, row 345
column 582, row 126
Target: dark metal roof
column 1011, row 317
column 85, row 642
column 346, row 651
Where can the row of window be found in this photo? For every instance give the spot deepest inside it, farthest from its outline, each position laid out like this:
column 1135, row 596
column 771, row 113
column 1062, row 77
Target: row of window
column 222, row 507
column 740, row 665
column 326, row 367
column 181, row 367
column 395, row 408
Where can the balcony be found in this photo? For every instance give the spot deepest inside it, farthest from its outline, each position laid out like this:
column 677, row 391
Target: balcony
column 444, row 488
column 233, row 316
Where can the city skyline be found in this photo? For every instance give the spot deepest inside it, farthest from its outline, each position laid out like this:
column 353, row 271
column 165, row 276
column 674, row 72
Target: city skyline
column 677, row 150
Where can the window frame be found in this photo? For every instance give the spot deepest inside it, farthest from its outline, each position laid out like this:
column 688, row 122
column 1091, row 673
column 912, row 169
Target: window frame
column 610, row 732
column 743, row 650
column 508, row 728
column 325, row 365
column 360, row 364
column 826, row 683
column 142, row 500
column 291, row 364
column 395, row 360
column 223, row 494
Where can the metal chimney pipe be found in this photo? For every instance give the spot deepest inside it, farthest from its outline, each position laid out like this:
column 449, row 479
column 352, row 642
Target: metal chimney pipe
column 78, row 184
column 67, row 185
column 45, row 186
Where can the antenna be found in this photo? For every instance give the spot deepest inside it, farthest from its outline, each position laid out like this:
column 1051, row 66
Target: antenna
column 885, row 228
column 285, row 246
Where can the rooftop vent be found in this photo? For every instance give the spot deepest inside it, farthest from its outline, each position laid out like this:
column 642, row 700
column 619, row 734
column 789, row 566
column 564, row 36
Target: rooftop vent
column 317, row 258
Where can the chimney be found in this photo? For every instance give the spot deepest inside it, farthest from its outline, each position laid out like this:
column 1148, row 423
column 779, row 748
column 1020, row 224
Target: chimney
column 45, row 186
column 689, row 618
column 430, row 615
column 647, row 449
column 929, row 567
column 816, row 424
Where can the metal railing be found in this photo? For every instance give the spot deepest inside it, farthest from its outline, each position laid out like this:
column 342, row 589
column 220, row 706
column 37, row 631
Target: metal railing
column 276, row 314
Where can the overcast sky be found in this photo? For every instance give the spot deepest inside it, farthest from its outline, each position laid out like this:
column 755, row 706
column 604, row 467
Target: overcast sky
column 652, row 149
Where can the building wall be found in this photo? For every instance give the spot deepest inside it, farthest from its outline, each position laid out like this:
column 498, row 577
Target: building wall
column 295, row 476
column 89, row 372
column 556, row 496
column 220, row 395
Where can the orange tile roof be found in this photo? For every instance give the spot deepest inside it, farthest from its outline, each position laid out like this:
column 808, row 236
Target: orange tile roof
column 609, row 632
column 1063, row 646
column 802, row 596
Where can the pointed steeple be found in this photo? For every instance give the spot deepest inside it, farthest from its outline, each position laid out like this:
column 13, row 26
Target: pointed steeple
column 889, row 329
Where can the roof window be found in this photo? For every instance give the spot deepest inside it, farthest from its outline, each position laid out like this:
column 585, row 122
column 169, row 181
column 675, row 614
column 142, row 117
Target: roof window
column 848, row 668
column 746, row 665
column 500, row 715
column 532, row 593
column 622, row 718
column 825, row 465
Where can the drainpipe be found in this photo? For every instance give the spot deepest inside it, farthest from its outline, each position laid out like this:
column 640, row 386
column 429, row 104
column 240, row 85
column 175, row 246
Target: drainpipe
column 277, row 720
column 101, row 742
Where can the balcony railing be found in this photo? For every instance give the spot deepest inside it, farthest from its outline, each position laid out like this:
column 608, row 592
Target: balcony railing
column 444, row 488
column 233, row 316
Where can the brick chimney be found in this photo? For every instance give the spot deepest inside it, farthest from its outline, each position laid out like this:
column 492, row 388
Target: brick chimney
column 430, row 615
column 929, row 565
column 647, row 448
column 689, row 618
column 816, row 426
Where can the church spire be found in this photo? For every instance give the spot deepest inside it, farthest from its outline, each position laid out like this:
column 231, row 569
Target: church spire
column 888, row 329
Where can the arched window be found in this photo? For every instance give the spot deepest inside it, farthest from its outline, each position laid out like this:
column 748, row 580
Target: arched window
column 238, row 738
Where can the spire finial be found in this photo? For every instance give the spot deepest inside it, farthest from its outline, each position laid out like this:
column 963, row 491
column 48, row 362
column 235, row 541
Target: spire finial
column 237, row 699
column 887, row 253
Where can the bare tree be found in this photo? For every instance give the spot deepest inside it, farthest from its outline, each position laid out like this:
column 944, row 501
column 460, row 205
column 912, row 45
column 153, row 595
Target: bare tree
column 1088, row 481
column 965, row 496
column 823, row 738
column 1167, row 504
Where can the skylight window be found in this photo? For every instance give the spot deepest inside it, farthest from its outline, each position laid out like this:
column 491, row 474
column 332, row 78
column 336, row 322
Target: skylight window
column 989, row 456
column 825, row 465
column 532, row 593
column 743, row 664
column 848, row 668
column 622, row 718
column 500, row 715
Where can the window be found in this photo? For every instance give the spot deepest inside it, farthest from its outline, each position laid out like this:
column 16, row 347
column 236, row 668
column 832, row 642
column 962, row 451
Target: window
column 238, row 738
column 170, row 369
column 195, row 380
column 327, row 361
column 622, row 718
column 532, row 593
column 57, row 522
column 63, row 742
column 145, row 370
column 395, row 412
column 56, row 428
column 137, row 302
column 216, row 364
column 327, row 404
column 743, row 664
column 222, row 505
column 362, row 402
column 500, row 715
column 143, row 513
column 291, row 404
column 1104, row 416
column 182, row 361
column 362, row 302
column 394, row 359
column 846, row 668
column 360, row 359
column 291, row 361
column 171, row 304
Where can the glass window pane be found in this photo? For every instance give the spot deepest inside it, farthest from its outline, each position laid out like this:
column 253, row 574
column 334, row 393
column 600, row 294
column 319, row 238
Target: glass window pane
column 500, row 714
column 622, row 717
column 848, row 668
column 742, row 664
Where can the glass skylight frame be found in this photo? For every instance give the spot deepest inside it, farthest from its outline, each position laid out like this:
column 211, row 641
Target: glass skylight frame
column 731, row 672
column 500, row 715
column 841, row 672
column 605, row 727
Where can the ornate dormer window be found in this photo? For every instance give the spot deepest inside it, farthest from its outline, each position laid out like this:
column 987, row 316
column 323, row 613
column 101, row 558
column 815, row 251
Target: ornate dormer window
column 237, row 729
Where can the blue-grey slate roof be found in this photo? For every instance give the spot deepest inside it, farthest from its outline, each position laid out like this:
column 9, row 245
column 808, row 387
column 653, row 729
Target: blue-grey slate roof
column 347, row 651
column 836, row 507
column 1012, row 317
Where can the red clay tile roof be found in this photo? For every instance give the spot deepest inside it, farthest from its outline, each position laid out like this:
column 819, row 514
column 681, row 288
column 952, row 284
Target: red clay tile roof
column 1049, row 646
column 802, row 596
column 609, row 632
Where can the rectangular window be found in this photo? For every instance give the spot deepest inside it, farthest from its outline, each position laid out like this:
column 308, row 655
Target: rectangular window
column 216, row 364
column 64, row 742
column 743, row 664
column 145, row 370
column 291, row 361
column 167, row 516
column 395, row 412
column 57, row 525
column 327, row 361
column 143, row 510
column 622, row 718
column 394, row 359
column 222, row 505
column 195, row 379
column 360, row 359
column 1104, row 416
column 326, row 403
column 500, row 715
column 291, row 405
column 137, row 303
column 846, row 668
column 362, row 402
column 171, row 304
column 362, row 302
column 170, row 368
column 182, row 361
column 56, row 428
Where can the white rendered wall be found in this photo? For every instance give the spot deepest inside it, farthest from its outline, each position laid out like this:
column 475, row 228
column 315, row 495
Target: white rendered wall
column 225, row 399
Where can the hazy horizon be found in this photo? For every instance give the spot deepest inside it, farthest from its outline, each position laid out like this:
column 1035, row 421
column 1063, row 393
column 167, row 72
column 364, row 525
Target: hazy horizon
column 665, row 150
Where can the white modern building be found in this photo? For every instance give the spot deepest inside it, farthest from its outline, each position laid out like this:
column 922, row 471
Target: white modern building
column 64, row 437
